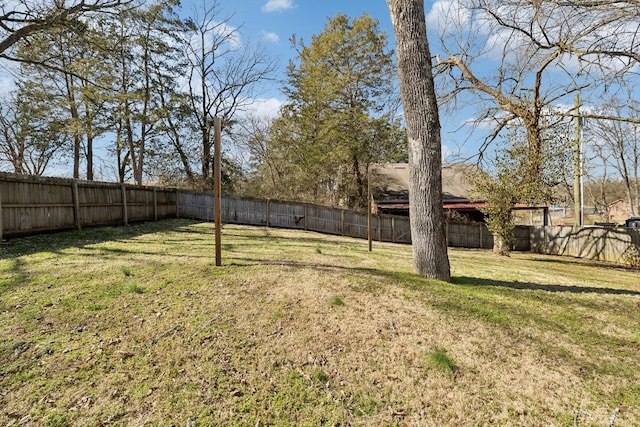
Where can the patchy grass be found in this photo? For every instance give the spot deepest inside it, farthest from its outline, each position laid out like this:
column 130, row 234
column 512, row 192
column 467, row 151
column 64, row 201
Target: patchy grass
column 136, row 326
column 336, row 301
column 439, row 360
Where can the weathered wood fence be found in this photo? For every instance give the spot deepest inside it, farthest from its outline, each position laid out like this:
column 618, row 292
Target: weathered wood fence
column 293, row 215
column 34, row 204
column 324, row 219
column 31, row 204
column 619, row 245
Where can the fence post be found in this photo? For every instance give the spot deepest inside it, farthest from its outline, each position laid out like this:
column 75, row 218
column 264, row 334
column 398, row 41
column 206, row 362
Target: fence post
column 481, row 227
column 177, row 203
column 268, row 212
column 125, row 218
column 342, row 222
column 155, row 204
column 305, row 217
column 76, row 203
column 1, row 216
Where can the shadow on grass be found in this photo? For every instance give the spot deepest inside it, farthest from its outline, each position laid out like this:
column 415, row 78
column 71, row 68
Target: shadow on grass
column 415, row 281
column 13, row 249
column 58, row 241
column 583, row 262
column 473, row 281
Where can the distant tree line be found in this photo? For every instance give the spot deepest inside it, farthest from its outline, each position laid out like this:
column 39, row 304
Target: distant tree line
column 144, row 85
column 128, row 74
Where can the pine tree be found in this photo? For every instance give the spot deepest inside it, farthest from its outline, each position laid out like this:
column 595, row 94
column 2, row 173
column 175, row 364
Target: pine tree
column 340, row 113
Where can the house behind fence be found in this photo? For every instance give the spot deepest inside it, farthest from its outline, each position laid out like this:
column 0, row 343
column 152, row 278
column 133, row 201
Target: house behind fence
column 34, row 204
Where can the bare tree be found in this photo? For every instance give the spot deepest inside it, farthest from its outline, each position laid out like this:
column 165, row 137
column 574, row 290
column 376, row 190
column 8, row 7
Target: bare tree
column 597, row 191
column 253, row 139
column 224, row 71
column 29, row 140
column 520, row 61
column 617, row 147
column 423, row 129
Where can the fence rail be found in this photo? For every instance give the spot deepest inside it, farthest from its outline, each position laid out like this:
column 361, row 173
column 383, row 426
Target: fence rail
column 34, row 204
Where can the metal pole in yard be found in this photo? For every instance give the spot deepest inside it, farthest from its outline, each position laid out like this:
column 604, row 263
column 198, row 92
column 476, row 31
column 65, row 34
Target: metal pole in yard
column 217, row 188
column 369, row 219
column 1, row 229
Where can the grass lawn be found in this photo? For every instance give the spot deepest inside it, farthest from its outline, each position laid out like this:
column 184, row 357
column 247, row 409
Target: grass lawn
column 137, row 326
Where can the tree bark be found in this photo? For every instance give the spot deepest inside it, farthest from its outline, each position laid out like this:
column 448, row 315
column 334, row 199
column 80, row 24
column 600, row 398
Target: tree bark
column 423, row 130
column 501, row 246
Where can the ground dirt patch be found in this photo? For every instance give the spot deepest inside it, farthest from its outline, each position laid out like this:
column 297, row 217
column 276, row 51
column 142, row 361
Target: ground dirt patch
column 137, row 326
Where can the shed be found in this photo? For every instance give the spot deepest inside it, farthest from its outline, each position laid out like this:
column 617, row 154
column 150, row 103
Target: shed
column 390, row 191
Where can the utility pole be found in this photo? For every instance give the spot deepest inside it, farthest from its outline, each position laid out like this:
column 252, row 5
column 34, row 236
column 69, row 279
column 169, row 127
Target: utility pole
column 577, row 164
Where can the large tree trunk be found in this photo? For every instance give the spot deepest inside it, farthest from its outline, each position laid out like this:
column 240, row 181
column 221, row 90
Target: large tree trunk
column 423, row 128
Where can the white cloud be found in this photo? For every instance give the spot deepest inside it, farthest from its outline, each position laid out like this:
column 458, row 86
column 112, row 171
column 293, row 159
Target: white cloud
column 266, row 107
column 270, row 37
column 446, row 15
column 447, row 153
column 277, row 6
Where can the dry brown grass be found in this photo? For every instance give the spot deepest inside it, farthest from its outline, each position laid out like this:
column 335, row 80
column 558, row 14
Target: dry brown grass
column 137, row 326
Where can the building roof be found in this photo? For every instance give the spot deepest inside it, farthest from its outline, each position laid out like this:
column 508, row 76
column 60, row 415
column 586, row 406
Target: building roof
column 390, row 182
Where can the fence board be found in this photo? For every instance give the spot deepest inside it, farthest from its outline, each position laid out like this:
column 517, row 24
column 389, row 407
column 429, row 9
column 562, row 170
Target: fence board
column 287, row 215
column 195, row 205
column 36, row 205
column 139, row 203
column 100, row 203
column 237, row 210
column 355, row 225
column 324, row 219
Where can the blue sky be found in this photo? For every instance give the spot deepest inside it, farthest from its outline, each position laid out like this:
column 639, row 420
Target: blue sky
column 273, row 22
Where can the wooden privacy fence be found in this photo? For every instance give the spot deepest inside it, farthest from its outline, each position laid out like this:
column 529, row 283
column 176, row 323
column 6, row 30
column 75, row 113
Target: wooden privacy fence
column 324, row 219
column 34, row 204
column 619, row 245
column 293, row 215
column 31, row 204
